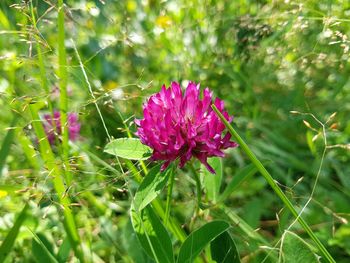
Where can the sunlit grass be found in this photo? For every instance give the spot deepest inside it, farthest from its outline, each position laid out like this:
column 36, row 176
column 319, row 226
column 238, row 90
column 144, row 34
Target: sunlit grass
column 281, row 71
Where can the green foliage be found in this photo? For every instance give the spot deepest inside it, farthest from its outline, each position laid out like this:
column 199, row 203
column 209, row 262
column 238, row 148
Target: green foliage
column 11, row 236
column 199, row 239
column 237, row 179
column 152, row 235
column 223, row 249
column 212, row 182
column 281, row 68
column 5, row 147
column 42, row 249
column 64, row 250
column 151, row 186
column 295, row 249
column 128, row 148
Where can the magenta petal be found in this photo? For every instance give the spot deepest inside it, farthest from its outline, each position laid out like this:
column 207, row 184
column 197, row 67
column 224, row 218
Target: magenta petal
column 179, row 125
column 203, row 159
column 165, row 165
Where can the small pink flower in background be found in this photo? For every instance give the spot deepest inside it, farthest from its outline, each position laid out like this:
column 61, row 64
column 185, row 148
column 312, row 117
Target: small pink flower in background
column 53, row 128
column 55, row 92
column 179, row 126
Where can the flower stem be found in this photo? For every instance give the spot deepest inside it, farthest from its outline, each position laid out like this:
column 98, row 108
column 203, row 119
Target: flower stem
column 173, row 224
column 198, row 186
column 274, row 186
column 170, row 191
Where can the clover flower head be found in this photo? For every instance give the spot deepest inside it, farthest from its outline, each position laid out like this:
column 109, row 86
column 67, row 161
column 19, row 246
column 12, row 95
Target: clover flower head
column 53, row 128
column 179, row 125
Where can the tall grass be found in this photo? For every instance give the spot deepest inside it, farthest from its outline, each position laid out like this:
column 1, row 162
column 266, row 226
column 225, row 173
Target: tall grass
column 262, row 59
column 56, row 172
column 274, row 186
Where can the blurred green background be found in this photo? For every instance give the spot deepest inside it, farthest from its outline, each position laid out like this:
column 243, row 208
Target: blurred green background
column 263, row 58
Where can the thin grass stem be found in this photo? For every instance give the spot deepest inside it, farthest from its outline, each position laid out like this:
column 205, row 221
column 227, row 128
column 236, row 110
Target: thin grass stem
column 63, row 80
column 274, row 186
column 56, row 172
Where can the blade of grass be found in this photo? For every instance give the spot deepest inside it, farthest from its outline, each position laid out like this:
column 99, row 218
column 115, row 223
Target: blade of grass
column 10, row 239
column 237, row 179
column 6, row 144
column 221, row 211
column 44, row 81
column 56, row 172
column 63, row 80
column 40, row 251
column 274, row 186
column 45, row 85
column 28, row 149
column 64, row 250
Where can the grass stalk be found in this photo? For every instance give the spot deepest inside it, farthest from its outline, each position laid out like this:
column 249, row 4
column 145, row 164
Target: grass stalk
column 58, row 183
column 63, row 80
column 42, row 68
column 274, row 186
column 6, row 144
column 9, row 241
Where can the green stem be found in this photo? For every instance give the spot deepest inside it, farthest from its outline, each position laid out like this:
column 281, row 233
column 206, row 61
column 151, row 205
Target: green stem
column 198, row 187
column 173, row 225
column 55, row 171
column 43, row 76
column 274, row 186
column 157, row 204
column 169, row 195
column 63, row 79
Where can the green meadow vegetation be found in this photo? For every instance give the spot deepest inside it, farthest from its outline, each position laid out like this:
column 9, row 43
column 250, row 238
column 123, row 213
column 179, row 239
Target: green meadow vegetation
column 77, row 184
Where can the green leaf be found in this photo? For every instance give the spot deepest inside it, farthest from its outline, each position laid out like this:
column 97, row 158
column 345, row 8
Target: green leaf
column 6, row 144
column 42, row 249
column 9, row 241
column 152, row 235
column 223, row 249
column 28, row 149
column 152, row 184
column 64, row 250
column 128, row 148
column 296, row 250
column 237, row 179
column 132, row 245
column 212, row 182
column 310, row 142
column 199, row 239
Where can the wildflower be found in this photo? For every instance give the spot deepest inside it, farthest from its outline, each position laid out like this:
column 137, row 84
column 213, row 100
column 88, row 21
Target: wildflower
column 55, row 92
column 179, row 126
column 53, row 128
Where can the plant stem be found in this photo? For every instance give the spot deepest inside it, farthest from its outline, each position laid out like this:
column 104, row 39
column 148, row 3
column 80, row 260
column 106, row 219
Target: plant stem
column 55, row 171
column 274, row 186
column 169, row 195
column 63, row 79
column 198, row 187
column 173, row 225
column 43, row 76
